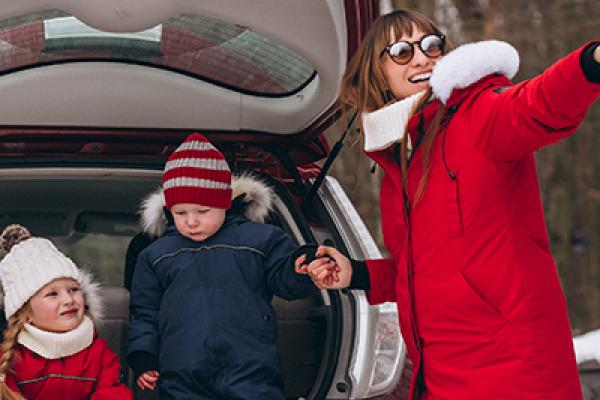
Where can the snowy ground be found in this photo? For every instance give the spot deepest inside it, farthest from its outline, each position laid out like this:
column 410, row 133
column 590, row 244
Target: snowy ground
column 587, row 352
column 587, row 347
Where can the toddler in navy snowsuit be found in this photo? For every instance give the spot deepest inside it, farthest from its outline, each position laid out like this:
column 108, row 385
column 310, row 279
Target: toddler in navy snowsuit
column 203, row 326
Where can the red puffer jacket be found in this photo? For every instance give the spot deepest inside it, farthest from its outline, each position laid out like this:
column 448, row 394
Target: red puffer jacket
column 92, row 373
column 480, row 303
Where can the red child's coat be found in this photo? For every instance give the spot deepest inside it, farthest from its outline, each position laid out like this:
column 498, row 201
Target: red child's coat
column 93, row 374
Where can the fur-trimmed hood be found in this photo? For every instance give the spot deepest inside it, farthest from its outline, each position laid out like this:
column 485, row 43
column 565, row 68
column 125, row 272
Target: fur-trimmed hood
column 91, row 293
column 458, row 69
column 469, row 63
column 258, row 201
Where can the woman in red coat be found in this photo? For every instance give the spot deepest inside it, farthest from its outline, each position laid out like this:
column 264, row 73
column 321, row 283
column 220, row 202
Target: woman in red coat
column 50, row 350
column 480, row 304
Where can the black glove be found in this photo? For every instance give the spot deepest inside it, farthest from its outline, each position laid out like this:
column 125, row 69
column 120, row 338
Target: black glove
column 308, row 250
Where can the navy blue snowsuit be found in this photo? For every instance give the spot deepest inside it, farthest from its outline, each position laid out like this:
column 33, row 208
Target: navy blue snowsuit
column 204, row 310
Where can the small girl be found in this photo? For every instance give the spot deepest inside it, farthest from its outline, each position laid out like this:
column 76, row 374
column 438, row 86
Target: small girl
column 50, row 349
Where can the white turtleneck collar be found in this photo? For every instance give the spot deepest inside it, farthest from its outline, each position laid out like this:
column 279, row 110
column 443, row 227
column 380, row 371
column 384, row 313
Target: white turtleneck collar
column 387, row 125
column 52, row 345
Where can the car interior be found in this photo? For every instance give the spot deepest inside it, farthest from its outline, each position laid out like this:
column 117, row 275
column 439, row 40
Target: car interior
column 98, row 94
column 91, row 215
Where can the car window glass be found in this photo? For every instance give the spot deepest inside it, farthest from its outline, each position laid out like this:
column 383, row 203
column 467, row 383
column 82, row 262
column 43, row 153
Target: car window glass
column 225, row 54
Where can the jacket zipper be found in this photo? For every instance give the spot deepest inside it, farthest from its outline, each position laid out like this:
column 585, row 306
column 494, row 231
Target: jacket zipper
column 420, row 383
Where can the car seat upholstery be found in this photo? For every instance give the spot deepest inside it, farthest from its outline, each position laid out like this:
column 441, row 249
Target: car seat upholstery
column 114, row 324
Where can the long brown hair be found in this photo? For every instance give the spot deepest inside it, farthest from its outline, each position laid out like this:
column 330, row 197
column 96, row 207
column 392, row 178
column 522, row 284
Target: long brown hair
column 364, row 87
column 15, row 325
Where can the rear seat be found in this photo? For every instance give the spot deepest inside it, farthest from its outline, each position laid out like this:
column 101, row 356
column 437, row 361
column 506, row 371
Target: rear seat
column 113, row 326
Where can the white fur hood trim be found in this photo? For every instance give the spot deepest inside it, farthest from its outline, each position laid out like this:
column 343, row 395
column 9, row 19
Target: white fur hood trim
column 259, row 196
column 91, row 292
column 258, row 200
column 469, row 63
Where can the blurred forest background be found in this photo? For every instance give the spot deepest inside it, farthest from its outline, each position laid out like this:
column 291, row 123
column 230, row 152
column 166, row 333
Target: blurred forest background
column 569, row 171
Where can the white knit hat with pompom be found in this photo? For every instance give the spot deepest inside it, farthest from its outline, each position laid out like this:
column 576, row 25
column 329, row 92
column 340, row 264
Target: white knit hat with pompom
column 30, row 264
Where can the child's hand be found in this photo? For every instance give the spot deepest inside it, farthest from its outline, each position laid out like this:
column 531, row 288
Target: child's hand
column 300, row 266
column 323, row 271
column 331, row 269
column 318, row 265
column 148, row 380
column 303, row 256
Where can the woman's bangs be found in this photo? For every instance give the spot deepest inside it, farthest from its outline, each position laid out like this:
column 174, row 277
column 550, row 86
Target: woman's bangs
column 398, row 29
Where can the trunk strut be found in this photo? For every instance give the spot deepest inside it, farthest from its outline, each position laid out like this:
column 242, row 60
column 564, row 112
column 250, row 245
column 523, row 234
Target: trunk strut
column 298, row 188
column 329, row 161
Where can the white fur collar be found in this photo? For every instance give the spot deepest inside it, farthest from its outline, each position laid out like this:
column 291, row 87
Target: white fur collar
column 471, row 62
column 52, row 345
column 457, row 70
column 259, row 201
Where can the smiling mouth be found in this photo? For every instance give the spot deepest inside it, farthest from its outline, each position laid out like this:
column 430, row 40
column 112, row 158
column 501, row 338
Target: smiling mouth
column 424, row 77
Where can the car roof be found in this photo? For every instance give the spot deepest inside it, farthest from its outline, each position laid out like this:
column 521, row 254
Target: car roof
column 106, row 93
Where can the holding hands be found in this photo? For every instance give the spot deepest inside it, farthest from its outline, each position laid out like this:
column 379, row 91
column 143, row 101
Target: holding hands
column 148, row 380
column 327, row 267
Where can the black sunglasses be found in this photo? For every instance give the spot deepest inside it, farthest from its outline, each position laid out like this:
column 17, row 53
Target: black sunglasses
column 402, row 52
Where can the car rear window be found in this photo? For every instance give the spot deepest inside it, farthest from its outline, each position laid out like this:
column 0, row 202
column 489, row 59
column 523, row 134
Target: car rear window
column 225, row 54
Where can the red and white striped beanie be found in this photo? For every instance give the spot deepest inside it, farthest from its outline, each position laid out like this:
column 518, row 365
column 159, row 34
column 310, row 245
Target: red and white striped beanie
column 197, row 173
